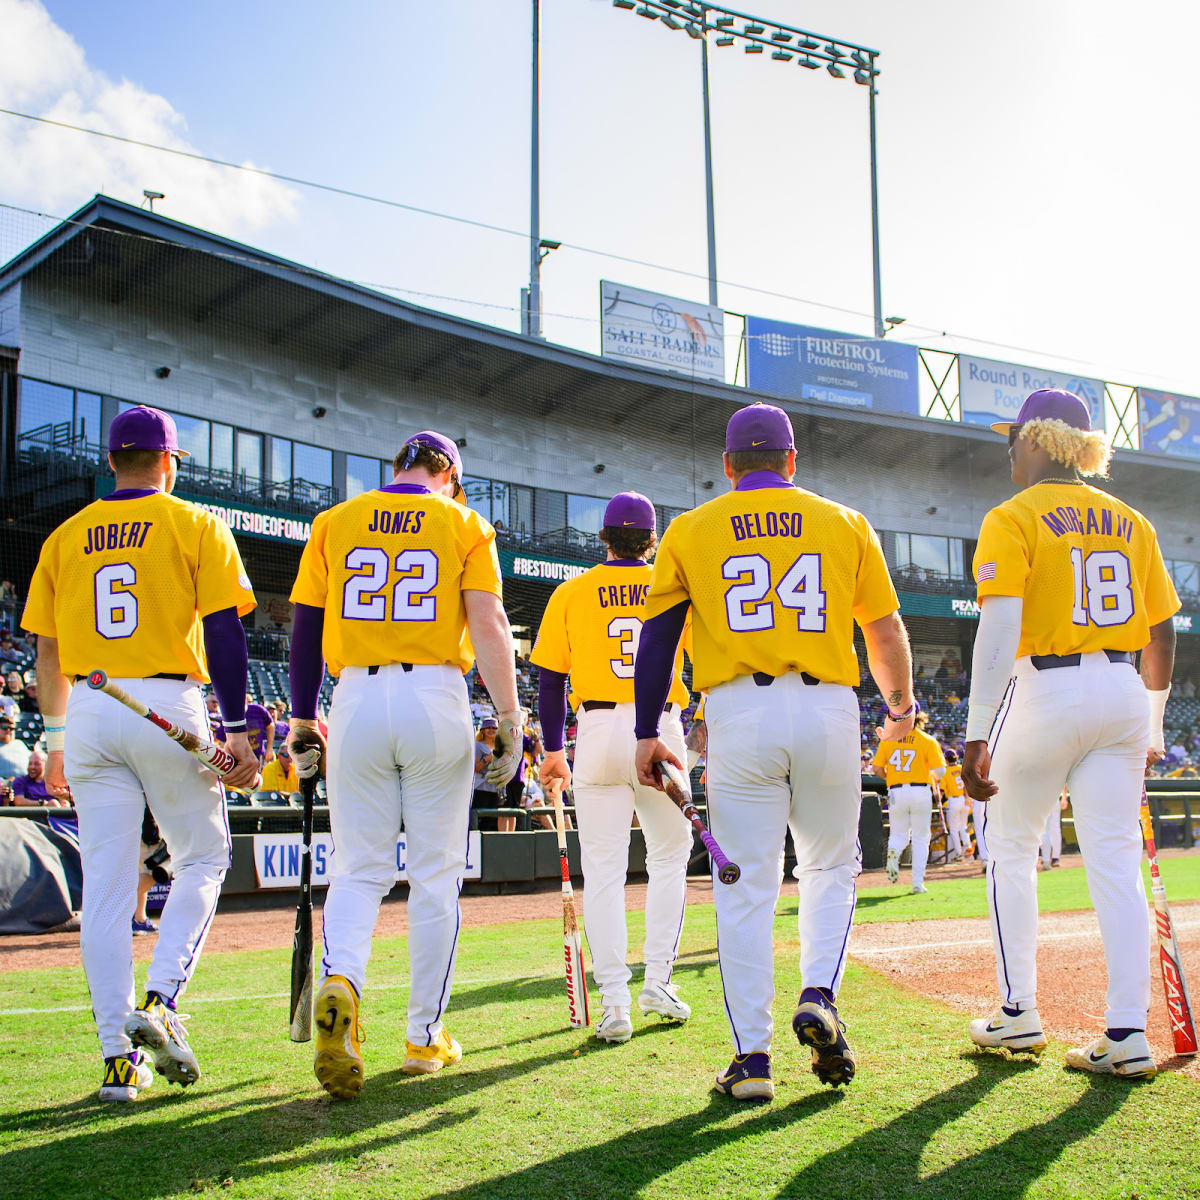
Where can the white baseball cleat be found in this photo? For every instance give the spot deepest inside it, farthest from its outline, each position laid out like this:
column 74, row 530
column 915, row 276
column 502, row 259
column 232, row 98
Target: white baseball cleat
column 919, row 889
column 893, row 866
column 615, row 1025
column 1002, row 1032
column 661, row 998
column 124, row 1076
column 1130, row 1058
column 160, row 1030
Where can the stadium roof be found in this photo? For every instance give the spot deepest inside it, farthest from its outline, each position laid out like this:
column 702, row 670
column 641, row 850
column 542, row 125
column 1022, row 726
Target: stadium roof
column 306, row 313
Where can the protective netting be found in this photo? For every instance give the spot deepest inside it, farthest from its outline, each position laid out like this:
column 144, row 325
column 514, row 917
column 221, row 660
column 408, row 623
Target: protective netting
column 292, row 390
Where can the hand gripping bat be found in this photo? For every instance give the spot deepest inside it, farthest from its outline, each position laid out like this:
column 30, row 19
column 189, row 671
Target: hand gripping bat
column 577, row 997
column 673, row 785
column 1179, row 1006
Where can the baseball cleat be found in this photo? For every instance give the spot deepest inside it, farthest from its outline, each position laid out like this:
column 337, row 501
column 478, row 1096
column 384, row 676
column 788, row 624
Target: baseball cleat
column 816, row 1025
column 1002, row 1032
column 338, row 1063
column 893, row 866
column 615, row 1025
column 140, row 928
column 748, row 1077
column 919, row 889
column 124, row 1076
column 661, row 998
column 160, row 1029
column 1130, row 1058
column 424, row 1060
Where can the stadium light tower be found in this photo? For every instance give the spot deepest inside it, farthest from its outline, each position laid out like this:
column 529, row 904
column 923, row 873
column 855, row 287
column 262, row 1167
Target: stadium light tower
column 785, row 44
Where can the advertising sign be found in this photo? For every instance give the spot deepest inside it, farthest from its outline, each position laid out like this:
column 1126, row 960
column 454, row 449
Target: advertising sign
column 840, row 368
column 1170, row 424
column 277, row 859
column 514, row 565
column 994, row 391
column 662, row 331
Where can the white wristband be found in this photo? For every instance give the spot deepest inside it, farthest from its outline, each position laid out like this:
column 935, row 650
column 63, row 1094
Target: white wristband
column 55, row 730
column 1158, row 709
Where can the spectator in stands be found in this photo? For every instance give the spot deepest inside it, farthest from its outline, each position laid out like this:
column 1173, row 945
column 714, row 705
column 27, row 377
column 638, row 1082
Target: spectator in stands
column 14, row 754
column 278, row 709
column 28, row 702
column 10, row 706
column 260, row 730
column 8, row 594
column 10, row 654
column 214, row 717
column 279, row 775
column 14, row 686
column 484, row 794
column 30, row 788
column 1187, row 689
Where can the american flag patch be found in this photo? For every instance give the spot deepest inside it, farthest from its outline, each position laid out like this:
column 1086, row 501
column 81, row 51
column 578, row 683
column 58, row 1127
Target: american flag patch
column 986, row 571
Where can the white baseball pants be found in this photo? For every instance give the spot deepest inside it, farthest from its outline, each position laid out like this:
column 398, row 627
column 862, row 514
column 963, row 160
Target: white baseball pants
column 910, row 811
column 1052, row 837
column 782, row 756
column 1087, row 727
column 956, row 824
column 395, row 729
column 607, row 794
column 117, row 762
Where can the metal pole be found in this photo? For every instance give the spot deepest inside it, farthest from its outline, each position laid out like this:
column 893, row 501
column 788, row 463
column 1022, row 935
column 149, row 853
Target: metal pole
column 708, row 170
column 534, row 314
column 879, row 326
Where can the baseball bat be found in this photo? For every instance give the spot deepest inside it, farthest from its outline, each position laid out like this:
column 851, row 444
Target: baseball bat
column 727, row 872
column 300, row 1023
column 211, row 756
column 1179, row 1005
column 577, row 997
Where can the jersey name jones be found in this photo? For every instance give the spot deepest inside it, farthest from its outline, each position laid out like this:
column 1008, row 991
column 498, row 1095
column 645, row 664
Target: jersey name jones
column 383, row 520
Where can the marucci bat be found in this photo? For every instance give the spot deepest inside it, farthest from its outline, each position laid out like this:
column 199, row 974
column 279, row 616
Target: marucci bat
column 300, row 1021
column 673, row 785
column 1179, row 1006
column 577, row 998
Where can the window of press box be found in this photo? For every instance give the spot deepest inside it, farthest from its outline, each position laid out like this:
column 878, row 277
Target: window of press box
column 1186, row 575
column 314, row 464
column 928, row 552
column 50, row 404
column 586, row 513
column 362, row 475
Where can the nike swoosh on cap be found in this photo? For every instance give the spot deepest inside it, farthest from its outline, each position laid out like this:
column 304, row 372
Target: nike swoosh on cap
column 757, row 443
column 126, row 445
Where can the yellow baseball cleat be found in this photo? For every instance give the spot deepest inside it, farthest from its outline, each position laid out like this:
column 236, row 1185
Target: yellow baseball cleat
column 339, row 1062
column 424, row 1060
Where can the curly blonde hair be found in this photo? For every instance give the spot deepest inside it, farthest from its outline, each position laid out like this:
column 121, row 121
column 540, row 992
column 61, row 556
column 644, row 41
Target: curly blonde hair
column 1087, row 451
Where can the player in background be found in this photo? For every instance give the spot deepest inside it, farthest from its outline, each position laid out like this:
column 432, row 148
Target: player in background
column 910, row 765
column 1052, row 834
column 150, row 590
column 956, row 806
column 389, row 587
column 776, row 576
column 260, row 730
column 590, row 632
column 1071, row 586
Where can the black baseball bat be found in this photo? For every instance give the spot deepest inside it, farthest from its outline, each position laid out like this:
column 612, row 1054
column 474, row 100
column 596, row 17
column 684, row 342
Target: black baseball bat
column 301, row 1021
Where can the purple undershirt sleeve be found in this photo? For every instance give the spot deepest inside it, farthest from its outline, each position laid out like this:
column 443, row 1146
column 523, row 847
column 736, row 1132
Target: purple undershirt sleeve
column 306, row 665
column 552, row 707
column 225, row 649
column 653, row 666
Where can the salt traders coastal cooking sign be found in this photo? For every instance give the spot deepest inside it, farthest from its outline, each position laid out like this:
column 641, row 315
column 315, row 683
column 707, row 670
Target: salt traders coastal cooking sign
column 662, row 331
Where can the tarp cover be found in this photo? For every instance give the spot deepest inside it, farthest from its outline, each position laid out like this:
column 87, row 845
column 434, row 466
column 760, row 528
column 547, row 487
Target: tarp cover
column 41, row 879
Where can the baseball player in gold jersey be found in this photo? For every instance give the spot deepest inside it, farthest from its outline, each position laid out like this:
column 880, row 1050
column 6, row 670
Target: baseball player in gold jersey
column 776, row 576
column 149, row 589
column 590, row 632
column 909, row 765
column 398, row 592
column 956, row 806
column 1071, row 585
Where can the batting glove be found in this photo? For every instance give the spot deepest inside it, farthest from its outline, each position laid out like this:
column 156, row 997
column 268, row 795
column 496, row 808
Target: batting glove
column 510, row 744
column 307, row 748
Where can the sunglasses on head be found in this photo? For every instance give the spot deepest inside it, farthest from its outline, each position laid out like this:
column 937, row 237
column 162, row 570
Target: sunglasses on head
column 1014, row 432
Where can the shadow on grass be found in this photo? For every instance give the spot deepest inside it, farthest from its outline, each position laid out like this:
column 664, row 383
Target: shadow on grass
column 886, row 1160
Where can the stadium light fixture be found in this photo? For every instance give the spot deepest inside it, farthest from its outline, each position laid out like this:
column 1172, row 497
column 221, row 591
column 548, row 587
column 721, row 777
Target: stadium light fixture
column 811, row 51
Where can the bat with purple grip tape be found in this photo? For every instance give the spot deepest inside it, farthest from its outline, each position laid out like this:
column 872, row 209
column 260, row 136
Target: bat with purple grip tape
column 727, row 872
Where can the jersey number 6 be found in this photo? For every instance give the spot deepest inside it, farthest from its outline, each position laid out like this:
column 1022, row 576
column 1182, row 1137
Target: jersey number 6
column 116, row 610
column 412, row 598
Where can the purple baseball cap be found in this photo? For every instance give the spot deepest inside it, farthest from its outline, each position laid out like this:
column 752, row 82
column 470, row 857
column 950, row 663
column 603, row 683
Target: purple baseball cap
column 489, row 723
column 144, row 428
column 1050, row 404
column 630, row 509
column 759, row 427
column 443, row 445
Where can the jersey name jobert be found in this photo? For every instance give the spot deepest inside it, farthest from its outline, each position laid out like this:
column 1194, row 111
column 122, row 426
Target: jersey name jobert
column 126, row 535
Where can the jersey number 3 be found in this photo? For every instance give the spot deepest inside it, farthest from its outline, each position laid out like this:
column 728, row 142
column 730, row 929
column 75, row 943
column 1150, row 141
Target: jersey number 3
column 629, row 630
column 412, row 595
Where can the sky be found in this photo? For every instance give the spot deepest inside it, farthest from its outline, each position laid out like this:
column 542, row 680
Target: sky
column 1036, row 160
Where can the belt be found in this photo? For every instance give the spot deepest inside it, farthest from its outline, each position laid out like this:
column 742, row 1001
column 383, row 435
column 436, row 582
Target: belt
column 592, row 705
column 375, row 669
column 159, row 675
column 1051, row 662
column 764, row 680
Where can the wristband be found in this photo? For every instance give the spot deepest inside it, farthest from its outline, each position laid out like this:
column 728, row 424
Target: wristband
column 910, row 711
column 234, row 726
column 55, row 730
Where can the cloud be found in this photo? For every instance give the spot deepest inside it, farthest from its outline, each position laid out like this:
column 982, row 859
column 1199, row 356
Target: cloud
column 46, row 73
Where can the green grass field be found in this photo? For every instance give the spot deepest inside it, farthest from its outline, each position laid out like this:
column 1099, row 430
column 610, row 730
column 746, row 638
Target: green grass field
column 535, row 1111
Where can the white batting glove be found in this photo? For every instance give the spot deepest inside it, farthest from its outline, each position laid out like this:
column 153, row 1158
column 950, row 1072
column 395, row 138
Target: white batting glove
column 307, row 748
column 510, row 744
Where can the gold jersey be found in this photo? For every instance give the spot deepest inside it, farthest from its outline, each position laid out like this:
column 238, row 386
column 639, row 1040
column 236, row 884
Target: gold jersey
column 776, row 576
column 591, row 628
column 1087, row 565
column 123, row 586
column 952, row 783
column 389, row 568
column 910, row 759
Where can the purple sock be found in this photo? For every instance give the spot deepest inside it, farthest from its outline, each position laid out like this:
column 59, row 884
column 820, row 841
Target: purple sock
column 814, row 995
column 1010, row 1012
column 1120, row 1034
column 166, row 1002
